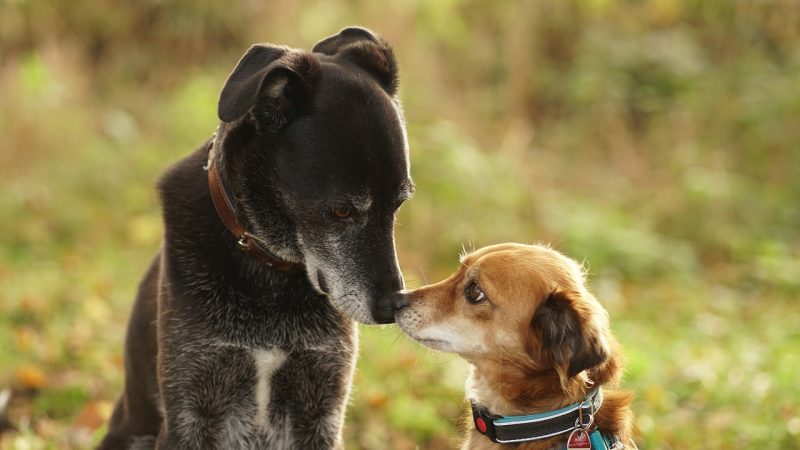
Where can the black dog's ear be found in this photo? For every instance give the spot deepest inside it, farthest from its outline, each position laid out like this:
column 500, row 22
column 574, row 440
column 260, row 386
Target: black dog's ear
column 366, row 50
column 569, row 334
column 273, row 80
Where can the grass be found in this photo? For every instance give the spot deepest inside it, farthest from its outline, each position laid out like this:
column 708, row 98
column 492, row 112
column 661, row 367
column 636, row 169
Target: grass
column 655, row 140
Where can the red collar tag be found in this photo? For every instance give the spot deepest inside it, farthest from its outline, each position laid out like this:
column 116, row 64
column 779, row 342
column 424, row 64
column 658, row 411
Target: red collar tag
column 578, row 439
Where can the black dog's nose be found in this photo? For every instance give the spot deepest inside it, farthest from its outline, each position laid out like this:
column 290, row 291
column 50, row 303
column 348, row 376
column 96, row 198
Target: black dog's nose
column 386, row 307
column 383, row 315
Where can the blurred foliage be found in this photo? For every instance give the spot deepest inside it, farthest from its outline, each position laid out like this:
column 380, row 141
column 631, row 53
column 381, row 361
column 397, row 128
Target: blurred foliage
column 656, row 139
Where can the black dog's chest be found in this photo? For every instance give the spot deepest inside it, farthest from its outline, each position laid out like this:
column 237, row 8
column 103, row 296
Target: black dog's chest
column 245, row 397
column 258, row 323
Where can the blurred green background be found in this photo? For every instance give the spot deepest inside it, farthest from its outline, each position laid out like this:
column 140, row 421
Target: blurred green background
column 658, row 140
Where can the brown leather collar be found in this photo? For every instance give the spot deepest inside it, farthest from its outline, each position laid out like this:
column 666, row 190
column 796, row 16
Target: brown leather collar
column 248, row 243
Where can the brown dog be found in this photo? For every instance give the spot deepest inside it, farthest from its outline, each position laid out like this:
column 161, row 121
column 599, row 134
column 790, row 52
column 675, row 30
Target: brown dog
column 544, row 363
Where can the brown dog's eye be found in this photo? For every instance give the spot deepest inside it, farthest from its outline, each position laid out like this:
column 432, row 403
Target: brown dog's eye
column 474, row 293
column 341, row 211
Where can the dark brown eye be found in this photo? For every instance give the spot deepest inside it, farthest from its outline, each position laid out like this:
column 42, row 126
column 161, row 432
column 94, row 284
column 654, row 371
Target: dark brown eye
column 341, row 211
column 474, row 293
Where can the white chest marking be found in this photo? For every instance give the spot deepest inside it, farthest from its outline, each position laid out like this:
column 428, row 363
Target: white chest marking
column 267, row 363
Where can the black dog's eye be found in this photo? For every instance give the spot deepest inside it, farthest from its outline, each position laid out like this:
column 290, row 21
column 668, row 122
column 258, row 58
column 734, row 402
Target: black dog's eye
column 474, row 293
column 341, row 211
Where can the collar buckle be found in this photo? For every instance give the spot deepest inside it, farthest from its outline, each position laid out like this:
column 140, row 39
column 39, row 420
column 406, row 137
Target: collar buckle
column 484, row 420
column 243, row 242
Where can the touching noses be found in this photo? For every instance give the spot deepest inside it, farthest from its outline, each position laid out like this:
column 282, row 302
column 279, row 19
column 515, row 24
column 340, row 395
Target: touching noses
column 400, row 300
column 388, row 305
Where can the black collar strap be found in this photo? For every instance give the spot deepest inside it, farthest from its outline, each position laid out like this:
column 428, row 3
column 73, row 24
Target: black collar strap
column 534, row 427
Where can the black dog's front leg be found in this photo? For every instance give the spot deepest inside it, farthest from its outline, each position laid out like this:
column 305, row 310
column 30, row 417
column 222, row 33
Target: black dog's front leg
column 206, row 398
column 314, row 386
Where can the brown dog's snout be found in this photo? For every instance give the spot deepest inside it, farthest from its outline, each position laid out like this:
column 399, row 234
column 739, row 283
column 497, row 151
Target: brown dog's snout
column 400, row 300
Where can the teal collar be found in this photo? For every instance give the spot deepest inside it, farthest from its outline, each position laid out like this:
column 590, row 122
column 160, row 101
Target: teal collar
column 533, row 427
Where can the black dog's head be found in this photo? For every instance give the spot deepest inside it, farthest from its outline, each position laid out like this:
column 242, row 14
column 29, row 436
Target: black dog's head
column 313, row 146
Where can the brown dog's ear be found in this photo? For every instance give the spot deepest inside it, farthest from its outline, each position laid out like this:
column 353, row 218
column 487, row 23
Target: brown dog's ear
column 569, row 333
column 273, row 81
column 366, row 50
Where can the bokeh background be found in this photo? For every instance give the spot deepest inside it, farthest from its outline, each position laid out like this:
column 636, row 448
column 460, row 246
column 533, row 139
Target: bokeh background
column 657, row 140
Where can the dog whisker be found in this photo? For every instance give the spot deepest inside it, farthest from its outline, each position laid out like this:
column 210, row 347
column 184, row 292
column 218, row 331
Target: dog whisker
column 422, row 274
column 344, row 296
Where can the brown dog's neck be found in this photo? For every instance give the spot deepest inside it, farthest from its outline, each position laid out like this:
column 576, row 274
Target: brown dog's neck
column 509, row 390
column 509, row 387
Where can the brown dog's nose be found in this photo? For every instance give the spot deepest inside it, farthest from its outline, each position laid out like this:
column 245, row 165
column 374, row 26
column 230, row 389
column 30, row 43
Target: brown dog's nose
column 400, row 300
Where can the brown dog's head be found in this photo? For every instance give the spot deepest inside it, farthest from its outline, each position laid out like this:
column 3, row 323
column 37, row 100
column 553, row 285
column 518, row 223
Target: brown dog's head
column 510, row 303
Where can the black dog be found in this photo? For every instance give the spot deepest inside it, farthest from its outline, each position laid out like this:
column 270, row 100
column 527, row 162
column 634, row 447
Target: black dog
column 278, row 233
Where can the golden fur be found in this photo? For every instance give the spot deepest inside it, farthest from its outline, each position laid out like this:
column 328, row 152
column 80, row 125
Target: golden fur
column 536, row 342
